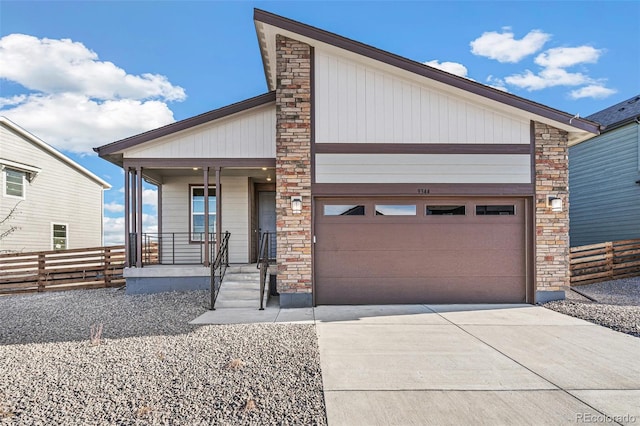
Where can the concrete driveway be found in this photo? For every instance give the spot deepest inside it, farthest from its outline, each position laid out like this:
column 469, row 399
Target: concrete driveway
column 461, row 364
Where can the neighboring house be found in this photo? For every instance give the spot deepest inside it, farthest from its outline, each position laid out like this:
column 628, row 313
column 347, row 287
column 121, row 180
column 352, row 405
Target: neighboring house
column 604, row 177
column 59, row 202
column 387, row 181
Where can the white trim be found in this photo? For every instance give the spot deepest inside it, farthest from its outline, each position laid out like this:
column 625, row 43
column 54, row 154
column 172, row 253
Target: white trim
column 4, row 184
column 66, row 237
column 52, row 151
column 19, row 166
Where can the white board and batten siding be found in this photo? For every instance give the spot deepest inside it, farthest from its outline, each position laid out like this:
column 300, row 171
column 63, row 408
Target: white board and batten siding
column 249, row 134
column 59, row 194
column 235, row 210
column 356, row 102
column 432, row 168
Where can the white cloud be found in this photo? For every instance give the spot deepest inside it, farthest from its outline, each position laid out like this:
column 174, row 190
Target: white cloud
column 65, row 66
column 114, row 207
column 564, row 57
column 78, row 102
column 592, row 91
column 503, row 47
column 548, row 77
column 496, row 83
column 14, row 100
column 150, row 197
column 450, row 67
column 114, row 228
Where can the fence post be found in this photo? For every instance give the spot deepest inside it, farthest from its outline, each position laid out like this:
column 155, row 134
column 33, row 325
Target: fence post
column 41, row 271
column 609, row 257
column 107, row 265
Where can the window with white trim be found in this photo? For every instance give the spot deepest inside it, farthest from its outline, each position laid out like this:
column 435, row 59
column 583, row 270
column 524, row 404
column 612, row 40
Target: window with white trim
column 197, row 212
column 59, row 236
column 14, row 183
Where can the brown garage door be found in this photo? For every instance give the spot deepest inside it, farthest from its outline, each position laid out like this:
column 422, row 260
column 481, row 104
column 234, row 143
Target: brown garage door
column 375, row 251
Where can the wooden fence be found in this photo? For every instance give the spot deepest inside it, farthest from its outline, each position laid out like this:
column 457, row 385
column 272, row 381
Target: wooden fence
column 85, row 268
column 605, row 261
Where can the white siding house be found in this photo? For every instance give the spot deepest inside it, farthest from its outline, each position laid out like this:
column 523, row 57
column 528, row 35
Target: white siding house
column 380, row 179
column 58, row 203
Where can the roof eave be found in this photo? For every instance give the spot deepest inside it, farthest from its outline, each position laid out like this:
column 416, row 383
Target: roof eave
column 54, row 152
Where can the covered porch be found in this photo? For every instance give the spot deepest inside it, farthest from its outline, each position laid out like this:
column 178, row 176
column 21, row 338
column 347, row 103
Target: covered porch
column 192, row 222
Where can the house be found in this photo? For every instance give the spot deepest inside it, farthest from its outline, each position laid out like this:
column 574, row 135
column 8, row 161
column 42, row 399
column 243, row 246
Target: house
column 604, row 177
column 57, row 203
column 387, row 181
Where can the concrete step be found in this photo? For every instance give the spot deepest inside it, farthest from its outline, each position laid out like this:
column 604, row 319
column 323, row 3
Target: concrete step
column 241, row 277
column 240, row 288
column 248, row 268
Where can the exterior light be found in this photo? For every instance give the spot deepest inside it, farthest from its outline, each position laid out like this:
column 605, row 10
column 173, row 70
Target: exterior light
column 555, row 203
column 195, row 168
column 268, row 178
column 264, row 168
column 296, row 204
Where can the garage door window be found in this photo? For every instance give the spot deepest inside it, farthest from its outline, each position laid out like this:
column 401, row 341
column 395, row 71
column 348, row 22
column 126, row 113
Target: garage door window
column 343, row 210
column 446, row 210
column 395, row 210
column 495, row 210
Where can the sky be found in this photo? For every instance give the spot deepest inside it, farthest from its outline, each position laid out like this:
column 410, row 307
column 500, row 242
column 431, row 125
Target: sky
column 82, row 74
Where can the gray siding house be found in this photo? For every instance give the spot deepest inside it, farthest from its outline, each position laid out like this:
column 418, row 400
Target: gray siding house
column 604, row 177
column 58, row 203
column 383, row 179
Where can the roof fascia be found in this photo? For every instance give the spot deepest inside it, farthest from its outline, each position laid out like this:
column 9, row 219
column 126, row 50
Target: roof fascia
column 106, row 151
column 52, row 151
column 420, row 69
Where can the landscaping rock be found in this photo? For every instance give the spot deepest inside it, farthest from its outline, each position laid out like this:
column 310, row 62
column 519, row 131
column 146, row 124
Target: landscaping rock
column 150, row 366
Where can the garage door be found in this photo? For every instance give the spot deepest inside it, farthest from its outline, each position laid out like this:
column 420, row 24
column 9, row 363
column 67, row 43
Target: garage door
column 377, row 251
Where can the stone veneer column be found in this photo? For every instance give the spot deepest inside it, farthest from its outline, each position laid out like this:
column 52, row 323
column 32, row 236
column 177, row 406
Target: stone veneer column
column 293, row 171
column 552, row 228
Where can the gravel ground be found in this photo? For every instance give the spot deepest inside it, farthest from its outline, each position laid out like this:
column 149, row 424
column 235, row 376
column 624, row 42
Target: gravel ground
column 150, row 367
column 616, row 305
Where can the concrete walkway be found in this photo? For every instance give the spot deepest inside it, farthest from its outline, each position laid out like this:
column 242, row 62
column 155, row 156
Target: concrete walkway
column 461, row 364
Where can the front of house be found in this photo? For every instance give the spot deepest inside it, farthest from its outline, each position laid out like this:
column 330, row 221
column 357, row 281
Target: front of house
column 383, row 180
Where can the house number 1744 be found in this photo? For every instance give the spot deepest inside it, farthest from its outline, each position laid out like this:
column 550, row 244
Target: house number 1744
column 423, row 191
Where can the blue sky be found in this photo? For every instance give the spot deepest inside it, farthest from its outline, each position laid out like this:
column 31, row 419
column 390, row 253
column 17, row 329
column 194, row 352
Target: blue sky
column 82, row 74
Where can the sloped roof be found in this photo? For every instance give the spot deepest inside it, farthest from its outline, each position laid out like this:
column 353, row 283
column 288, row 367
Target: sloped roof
column 52, row 151
column 310, row 34
column 111, row 152
column 618, row 114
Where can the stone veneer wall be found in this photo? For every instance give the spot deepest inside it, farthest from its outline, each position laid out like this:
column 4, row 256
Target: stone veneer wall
column 552, row 228
column 293, row 171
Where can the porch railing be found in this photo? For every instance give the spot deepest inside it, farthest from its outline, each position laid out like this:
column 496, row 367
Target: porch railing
column 219, row 268
column 172, row 248
column 263, row 263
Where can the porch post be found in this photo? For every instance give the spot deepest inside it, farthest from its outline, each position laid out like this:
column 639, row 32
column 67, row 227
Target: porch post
column 205, row 172
column 127, row 213
column 139, row 218
column 133, row 221
column 218, row 209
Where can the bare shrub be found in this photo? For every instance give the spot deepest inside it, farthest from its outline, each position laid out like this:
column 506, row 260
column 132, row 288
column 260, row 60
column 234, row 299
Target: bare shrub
column 250, row 405
column 235, row 364
column 95, row 335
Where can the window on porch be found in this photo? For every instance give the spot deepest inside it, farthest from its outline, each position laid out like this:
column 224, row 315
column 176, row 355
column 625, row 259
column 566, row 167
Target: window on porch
column 197, row 212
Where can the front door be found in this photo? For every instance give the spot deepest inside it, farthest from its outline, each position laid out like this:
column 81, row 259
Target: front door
column 267, row 219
